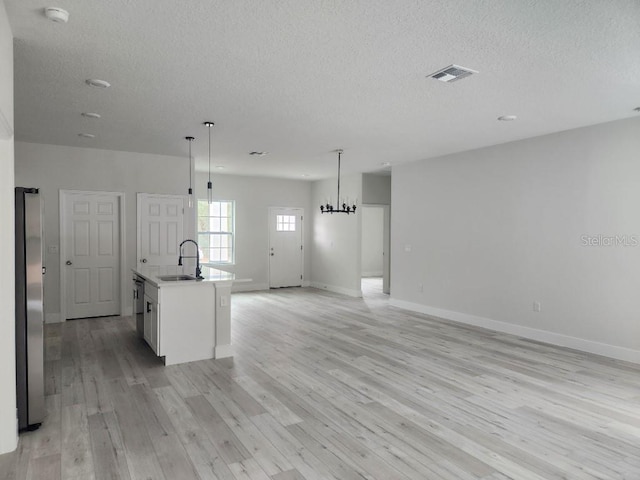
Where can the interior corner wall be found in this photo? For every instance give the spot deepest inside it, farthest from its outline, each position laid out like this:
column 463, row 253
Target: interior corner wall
column 253, row 196
column 8, row 417
column 479, row 236
column 53, row 168
column 337, row 239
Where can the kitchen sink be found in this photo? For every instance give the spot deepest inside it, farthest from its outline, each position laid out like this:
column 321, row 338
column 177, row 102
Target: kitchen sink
column 175, row 278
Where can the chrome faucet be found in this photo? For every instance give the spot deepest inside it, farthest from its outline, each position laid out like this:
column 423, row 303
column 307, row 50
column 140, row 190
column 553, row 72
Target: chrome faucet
column 197, row 257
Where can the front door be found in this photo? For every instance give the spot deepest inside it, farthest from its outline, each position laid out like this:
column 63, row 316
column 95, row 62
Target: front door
column 91, row 253
column 160, row 228
column 285, row 247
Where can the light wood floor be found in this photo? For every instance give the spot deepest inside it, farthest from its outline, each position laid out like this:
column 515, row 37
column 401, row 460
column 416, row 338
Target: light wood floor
column 326, row 386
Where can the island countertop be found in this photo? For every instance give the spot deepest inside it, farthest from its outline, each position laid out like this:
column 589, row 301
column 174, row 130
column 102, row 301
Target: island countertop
column 210, row 274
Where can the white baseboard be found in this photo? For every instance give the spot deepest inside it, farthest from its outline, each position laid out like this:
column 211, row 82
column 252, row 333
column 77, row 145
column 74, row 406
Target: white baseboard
column 332, row 288
column 559, row 339
column 255, row 287
column 372, row 274
column 249, row 287
column 223, row 351
column 52, row 318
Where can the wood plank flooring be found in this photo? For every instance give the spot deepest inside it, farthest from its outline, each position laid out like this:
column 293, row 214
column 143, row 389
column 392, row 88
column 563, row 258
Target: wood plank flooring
column 324, row 386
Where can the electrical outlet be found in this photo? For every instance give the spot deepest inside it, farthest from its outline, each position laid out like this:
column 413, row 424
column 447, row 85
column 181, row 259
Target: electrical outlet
column 224, row 300
column 53, row 249
column 536, row 306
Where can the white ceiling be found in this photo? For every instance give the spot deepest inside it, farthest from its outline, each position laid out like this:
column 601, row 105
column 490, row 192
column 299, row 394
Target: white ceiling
column 300, row 78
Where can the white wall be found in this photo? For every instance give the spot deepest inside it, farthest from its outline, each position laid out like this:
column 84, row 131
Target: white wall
column 8, row 422
column 376, row 189
column 6, row 76
column 335, row 258
column 253, row 196
column 372, row 240
column 52, row 168
column 488, row 232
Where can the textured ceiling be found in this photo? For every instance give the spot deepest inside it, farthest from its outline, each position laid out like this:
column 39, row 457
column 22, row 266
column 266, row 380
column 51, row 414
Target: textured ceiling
column 300, row 78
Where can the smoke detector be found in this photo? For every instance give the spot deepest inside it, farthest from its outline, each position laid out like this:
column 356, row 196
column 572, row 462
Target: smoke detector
column 452, row 73
column 56, row 14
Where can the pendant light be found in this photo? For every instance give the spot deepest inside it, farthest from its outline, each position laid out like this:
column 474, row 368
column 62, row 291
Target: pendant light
column 209, row 184
column 190, row 195
column 329, row 208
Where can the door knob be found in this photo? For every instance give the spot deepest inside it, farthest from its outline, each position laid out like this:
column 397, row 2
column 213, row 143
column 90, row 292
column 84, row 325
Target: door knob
column 143, row 260
column 68, row 262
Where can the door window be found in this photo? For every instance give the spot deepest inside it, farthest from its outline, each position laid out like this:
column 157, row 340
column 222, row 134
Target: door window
column 285, row 223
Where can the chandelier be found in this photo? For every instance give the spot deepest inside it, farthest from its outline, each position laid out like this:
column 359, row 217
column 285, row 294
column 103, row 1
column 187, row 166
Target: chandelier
column 329, row 208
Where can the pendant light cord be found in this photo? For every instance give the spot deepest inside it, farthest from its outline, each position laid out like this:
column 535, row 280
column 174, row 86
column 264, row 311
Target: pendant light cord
column 209, row 152
column 190, row 169
column 339, row 205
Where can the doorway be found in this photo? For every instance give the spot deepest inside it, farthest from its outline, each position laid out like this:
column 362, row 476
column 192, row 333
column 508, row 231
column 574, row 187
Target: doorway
column 286, row 247
column 91, row 240
column 375, row 259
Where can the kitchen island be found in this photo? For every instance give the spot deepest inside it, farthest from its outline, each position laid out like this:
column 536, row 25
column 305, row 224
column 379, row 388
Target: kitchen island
column 186, row 319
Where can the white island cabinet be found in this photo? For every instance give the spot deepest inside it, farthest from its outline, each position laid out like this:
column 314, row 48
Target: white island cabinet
column 187, row 320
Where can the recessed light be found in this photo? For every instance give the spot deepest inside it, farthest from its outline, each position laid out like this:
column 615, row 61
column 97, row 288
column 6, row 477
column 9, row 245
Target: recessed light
column 507, row 118
column 305, row 175
column 91, row 115
column 385, row 164
column 56, row 14
column 94, row 82
column 86, row 135
column 220, row 167
column 259, row 154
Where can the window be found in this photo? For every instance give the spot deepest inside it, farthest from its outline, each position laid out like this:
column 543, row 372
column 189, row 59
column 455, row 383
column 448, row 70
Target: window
column 215, row 231
column 285, row 223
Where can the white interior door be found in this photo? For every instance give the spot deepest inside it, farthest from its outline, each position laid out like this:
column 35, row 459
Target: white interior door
column 160, row 228
column 285, row 247
column 91, row 231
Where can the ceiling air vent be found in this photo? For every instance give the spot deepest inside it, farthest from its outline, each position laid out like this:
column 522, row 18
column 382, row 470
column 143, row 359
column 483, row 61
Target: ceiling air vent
column 452, row 73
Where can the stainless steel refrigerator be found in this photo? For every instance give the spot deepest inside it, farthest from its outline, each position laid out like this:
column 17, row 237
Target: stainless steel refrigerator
column 29, row 309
